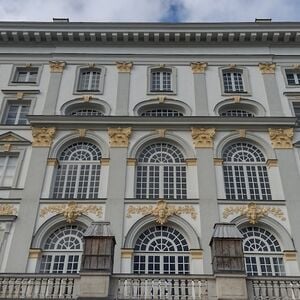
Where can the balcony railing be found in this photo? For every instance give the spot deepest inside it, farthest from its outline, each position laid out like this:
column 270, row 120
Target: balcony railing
column 37, row 286
column 160, row 287
column 276, row 288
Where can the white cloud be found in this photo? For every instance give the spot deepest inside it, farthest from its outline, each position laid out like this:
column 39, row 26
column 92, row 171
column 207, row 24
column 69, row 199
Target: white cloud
column 148, row 10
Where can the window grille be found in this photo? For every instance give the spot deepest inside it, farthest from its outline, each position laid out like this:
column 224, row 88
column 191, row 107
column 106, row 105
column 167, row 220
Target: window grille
column 8, row 165
column 26, row 75
column 233, row 82
column 89, row 80
column 161, row 81
column 162, row 112
column 16, row 114
column 85, row 112
column 237, row 113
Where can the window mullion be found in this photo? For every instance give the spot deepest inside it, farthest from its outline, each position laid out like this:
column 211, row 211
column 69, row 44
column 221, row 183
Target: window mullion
column 18, row 114
column 90, row 80
column 161, row 81
column 248, row 192
column 65, row 180
column 77, row 180
column 232, row 81
column 161, row 181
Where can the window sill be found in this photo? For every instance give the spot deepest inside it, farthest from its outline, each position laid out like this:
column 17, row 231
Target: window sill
column 243, row 202
column 83, row 92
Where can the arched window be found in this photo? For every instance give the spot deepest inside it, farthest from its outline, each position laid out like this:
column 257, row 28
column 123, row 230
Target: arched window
column 62, row 250
column 245, row 173
column 233, row 81
column 161, row 173
column 161, row 250
column 84, row 109
column 78, row 172
column 237, row 113
column 263, row 255
column 84, row 112
column 161, row 112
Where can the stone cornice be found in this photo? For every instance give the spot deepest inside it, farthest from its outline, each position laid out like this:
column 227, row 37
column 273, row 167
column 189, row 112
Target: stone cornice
column 273, row 32
column 68, row 122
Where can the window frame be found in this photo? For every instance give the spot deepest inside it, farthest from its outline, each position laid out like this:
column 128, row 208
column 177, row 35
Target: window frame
column 83, row 68
column 160, row 68
column 245, row 78
column 290, row 69
column 16, row 68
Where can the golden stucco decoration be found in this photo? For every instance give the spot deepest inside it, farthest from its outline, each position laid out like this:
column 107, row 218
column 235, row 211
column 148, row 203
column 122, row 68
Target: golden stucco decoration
column 253, row 212
column 57, row 66
column 124, row 67
column 161, row 211
column 71, row 211
column 281, row 138
column 267, row 68
column 203, row 137
column 119, row 137
column 198, row 67
column 7, row 210
column 42, row 137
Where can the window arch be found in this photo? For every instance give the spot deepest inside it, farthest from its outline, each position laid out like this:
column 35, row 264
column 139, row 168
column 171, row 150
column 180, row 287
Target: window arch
column 78, row 172
column 62, row 250
column 161, row 250
column 263, row 254
column 245, row 173
column 161, row 172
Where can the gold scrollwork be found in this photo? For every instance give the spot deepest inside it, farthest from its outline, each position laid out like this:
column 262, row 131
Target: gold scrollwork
column 124, row 67
column 281, row 138
column 57, row 66
column 267, row 68
column 119, row 137
column 7, row 210
column 253, row 212
column 42, row 137
column 198, row 67
column 161, row 211
column 203, row 137
column 71, row 211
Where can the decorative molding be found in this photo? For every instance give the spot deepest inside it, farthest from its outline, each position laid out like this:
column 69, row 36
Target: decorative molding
column 127, row 253
column 131, row 162
column 6, row 147
column 20, row 95
column 57, row 66
column 196, row 254
column 52, row 162
column 42, row 137
column 296, row 66
column 203, row 137
column 35, row 253
column 242, row 133
column 124, row 67
column 267, row 68
column 191, row 161
column 272, row 162
column 104, row 161
column 281, row 138
column 161, row 98
column 290, row 255
column 232, row 66
column 198, row 67
column 253, row 212
column 161, row 132
column 218, row 161
column 161, row 211
column 119, row 137
column 236, row 99
column 7, row 210
column 87, row 98
column 82, row 132
column 71, row 211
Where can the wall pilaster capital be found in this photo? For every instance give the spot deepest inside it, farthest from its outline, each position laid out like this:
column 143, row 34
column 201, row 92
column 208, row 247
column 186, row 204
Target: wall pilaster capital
column 42, row 137
column 198, row 67
column 124, row 67
column 119, row 137
column 203, row 137
column 267, row 68
column 57, row 66
column 281, row 138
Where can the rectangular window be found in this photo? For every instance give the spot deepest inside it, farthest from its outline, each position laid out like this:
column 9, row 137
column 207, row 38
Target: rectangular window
column 8, row 165
column 292, row 77
column 16, row 113
column 161, row 81
column 296, row 107
column 26, row 75
column 233, row 82
column 89, row 80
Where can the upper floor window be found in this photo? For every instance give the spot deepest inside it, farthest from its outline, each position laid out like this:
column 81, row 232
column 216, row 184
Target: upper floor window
column 161, row 112
column 296, row 107
column 78, row 173
column 245, row 173
column 233, row 81
column 8, row 165
column 25, row 75
column 62, row 250
column 16, row 113
column 161, row 173
column 161, row 250
column 84, row 112
column 90, row 79
column 263, row 255
column 162, row 80
column 292, row 77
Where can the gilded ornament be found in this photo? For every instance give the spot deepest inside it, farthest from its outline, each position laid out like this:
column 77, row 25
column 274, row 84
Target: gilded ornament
column 253, row 212
column 198, row 67
column 218, row 161
column 71, row 211
column 87, row 98
column 203, row 137
column 267, row 68
column 52, row 162
column 161, row 211
column 161, row 132
column 82, row 132
column 57, row 66
column 191, row 161
column 236, row 99
column 161, row 98
column 6, row 147
column 131, row 161
column 7, row 210
column 281, row 138
column 119, row 137
column 124, row 67
column 19, row 95
column 242, row 133
column 42, row 137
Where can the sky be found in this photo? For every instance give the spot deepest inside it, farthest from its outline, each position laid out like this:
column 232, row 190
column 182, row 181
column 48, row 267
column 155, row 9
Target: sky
column 149, row 10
